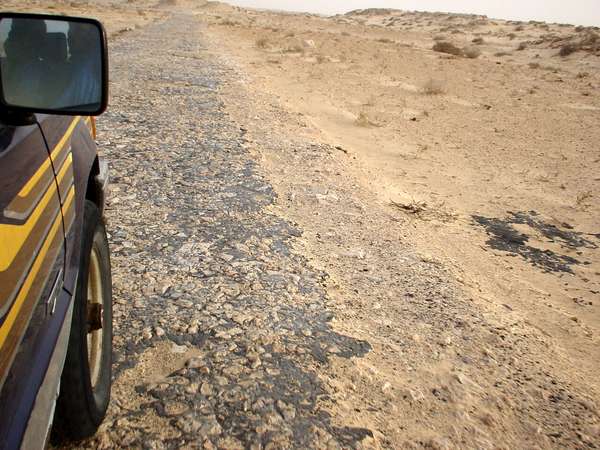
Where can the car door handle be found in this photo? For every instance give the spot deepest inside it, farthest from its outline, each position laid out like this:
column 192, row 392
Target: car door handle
column 51, row 302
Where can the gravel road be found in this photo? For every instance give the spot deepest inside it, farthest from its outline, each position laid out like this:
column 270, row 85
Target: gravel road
column 203, row 271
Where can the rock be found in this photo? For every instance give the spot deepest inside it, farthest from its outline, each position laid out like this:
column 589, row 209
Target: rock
column 206, row 389
column 438, row 443
column 332, row 444
column 147, row 333
column 286, row 410
column 195, row 363
column 357, row 253
column 192, row 388
column 159, row 331
column 174, row 408
column 229, row 443
column 414, row 394
column 221, row 381
column 233, row 370
column 178, row 348
column 210, row 426
column 223, row 334
column 188, row 424
column 154, row 444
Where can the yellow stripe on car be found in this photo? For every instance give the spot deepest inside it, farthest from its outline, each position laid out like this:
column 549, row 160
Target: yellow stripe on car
column 14, row 311
column 58, row 147
column 37, row 176
column 65, row 168
column 25, row 191
column 12, row 237
column 23, row 204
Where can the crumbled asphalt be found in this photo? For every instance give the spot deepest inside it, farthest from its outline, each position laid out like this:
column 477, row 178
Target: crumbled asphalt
column 199, row 261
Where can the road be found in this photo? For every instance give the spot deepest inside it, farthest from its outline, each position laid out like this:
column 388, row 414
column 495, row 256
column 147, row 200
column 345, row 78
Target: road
column 205, row 281
column 259, row 303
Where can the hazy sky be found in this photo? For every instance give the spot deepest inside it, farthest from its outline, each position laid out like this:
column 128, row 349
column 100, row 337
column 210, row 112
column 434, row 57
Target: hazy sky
column 578, row 12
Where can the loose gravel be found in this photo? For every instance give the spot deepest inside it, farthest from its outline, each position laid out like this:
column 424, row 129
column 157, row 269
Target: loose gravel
column 201, row 264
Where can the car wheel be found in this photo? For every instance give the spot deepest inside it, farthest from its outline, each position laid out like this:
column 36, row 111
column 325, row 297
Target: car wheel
column 86, row 378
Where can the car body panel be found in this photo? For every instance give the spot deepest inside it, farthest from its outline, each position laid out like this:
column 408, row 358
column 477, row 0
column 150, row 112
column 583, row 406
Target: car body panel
column 40, row 420
column 73, row 153
column 32, row 261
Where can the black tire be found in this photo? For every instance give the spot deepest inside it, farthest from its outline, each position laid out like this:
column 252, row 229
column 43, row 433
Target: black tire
column 81, row 407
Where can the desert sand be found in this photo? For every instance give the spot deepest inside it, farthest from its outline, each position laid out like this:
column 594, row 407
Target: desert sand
column 445, row 172
column 471, row 148
column 489, row 154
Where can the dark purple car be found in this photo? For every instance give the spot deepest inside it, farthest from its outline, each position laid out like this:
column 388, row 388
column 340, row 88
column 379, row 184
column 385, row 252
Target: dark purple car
column 55, row 282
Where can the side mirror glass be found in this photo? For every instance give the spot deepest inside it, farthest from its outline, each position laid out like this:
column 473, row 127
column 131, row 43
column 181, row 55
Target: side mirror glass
column 53, row 64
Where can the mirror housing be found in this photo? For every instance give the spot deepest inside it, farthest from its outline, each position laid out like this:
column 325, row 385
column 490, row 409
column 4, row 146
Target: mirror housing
column 52, row 65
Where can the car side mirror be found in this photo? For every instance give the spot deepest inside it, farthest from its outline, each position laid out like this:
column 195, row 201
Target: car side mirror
column 52, row 64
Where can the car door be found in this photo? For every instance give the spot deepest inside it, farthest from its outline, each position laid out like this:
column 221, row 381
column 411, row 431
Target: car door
column 62, row 135
column 31, row 271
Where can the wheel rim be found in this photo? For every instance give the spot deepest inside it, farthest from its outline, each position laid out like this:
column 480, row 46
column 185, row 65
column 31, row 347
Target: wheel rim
column 94, row 317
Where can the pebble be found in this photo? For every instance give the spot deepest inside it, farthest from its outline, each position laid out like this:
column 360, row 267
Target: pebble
column 195, row 362
column 178, row 348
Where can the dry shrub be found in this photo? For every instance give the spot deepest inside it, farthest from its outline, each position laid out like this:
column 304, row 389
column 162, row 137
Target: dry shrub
column 511, row 36
column 534, row 65
column 294, row 48
column 432, row 87
column 362, row 120
column 567, row 49
column 262, row 43
column 590, row 38
column 413, row 207
column 439, row 37
column 321, row 59
column 229, row 23
column 582, row 75
column 471, row 52
column 583, row 197
column 519, row 28
column 478, row 41
column 500, row 54
column 446, row 47
column 385, row 41
column 522, row 46
column 371, row 101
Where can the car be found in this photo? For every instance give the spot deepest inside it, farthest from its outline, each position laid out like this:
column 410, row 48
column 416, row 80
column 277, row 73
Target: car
column 55, row 277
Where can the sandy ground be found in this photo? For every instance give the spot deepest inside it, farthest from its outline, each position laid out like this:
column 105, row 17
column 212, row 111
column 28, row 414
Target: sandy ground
column 118, row 17
column 449, row 138
column 490, row 159
column 452, row 201
column 502, row 139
